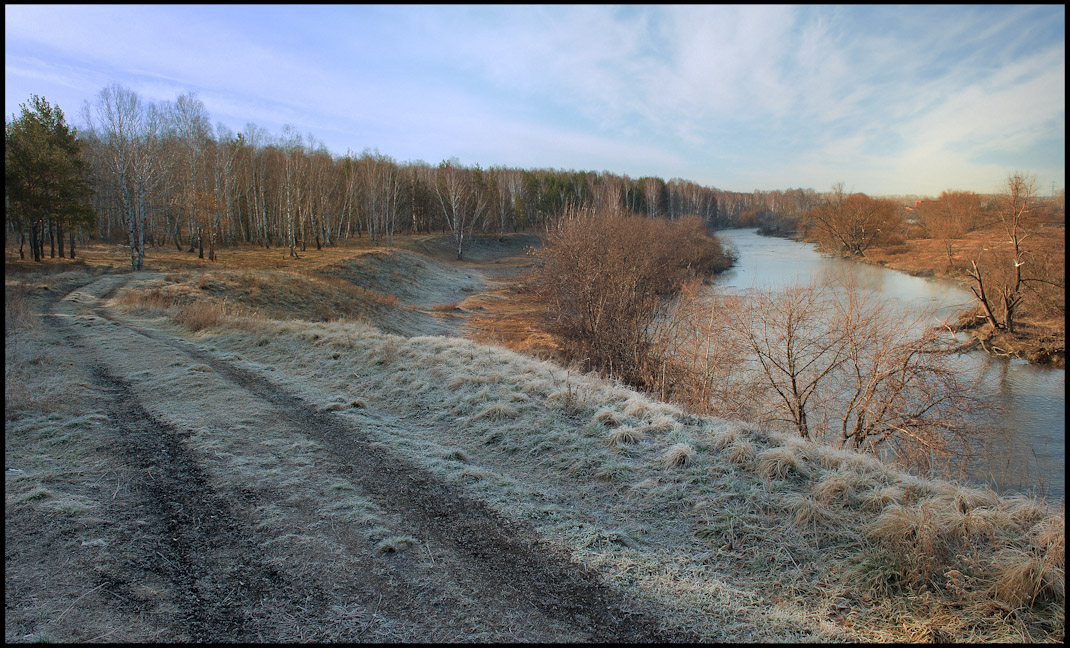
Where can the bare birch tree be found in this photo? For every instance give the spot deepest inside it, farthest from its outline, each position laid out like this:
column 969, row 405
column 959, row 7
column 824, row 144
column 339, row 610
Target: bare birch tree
column 129, row 134
column 454, row 196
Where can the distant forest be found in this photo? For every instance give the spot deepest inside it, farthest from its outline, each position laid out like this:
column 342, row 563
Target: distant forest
column 161, row 174
column 194, row 187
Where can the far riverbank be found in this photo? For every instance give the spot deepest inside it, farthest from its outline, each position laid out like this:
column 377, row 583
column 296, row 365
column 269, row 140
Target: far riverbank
column 1039, row 340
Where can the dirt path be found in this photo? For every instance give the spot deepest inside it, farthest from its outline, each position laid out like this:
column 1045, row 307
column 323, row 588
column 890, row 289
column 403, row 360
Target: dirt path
column 252, row 515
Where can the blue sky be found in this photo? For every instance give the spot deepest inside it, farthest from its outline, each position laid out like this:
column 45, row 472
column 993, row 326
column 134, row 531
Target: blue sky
column 887, row 100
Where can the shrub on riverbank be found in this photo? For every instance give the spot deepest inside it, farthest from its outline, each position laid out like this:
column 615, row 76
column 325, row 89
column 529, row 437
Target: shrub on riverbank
column 604, row 279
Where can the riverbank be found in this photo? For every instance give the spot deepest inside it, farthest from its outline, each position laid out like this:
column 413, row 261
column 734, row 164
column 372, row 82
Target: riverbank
column 1039, row 339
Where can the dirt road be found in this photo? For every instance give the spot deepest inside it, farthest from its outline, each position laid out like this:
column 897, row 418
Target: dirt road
column 243, row 513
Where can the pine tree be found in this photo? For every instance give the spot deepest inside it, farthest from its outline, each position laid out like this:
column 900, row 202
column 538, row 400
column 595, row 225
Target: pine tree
column 44, row 177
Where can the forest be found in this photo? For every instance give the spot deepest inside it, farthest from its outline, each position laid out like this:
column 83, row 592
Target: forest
column 161, row 171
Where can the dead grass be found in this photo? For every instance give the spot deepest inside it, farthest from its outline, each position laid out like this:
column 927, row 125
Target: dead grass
column 200, row 315
column 780, row 462
column 847, row 523
column 17, row 314
column 678, row 456
column 510, row 317
column 625, row 434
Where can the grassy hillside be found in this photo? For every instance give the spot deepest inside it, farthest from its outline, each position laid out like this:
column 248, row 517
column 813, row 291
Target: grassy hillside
column 739, row 534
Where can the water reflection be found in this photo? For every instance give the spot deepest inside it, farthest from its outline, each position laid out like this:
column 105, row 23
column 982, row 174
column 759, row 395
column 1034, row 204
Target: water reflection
column 1031, row 419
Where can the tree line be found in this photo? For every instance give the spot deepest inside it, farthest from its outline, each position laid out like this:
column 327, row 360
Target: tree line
column 159, row 174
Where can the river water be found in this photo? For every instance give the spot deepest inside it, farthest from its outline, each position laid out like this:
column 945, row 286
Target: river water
column 1030, row 451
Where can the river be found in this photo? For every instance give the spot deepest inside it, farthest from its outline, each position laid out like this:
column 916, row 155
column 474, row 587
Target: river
column 1031, row 416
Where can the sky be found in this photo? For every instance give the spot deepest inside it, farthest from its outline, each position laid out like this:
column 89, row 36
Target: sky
column 888, row 100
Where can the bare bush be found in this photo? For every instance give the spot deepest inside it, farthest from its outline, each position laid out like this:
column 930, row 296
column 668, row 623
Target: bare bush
column 852, row 223
column 1024, row 270
column 605, row 279
column 827, row 362
column 949, row 217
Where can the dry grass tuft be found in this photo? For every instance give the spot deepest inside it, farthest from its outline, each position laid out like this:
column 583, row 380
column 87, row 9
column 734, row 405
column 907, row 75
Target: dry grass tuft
column 395, row 544
column 456, row 454
column 728, row 433
column 497, row 412
column 914, row 535
column 663, row 424
column 1026, row 577
column 879, row 497
column 780, row 462
column 844, row 458
column 678, row 456
column 741, row 452
column 1024, row 510
column 153, row 301
column 200, row 315
column 841, row 486
column 625, row 434
column 638, row 407
column 463, row 380
column 807, row 512
column 608, row 417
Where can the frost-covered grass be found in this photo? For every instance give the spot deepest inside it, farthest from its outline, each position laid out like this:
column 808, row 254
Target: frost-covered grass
column 739, row 533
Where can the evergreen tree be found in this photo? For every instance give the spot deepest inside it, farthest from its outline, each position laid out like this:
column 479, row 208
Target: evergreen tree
column 44, row 177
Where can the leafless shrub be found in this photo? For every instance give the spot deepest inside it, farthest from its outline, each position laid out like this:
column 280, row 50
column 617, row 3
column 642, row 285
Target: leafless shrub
column 1025, row 269
column 827, row 362
column 604, row 279
column 852, row 223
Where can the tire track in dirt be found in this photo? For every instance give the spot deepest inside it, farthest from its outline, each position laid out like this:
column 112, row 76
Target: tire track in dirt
column 156, row 449
column 177, row 528
column 493, row 554
column 222, row 591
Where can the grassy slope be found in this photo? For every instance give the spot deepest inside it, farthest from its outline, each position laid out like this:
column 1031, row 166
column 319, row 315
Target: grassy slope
column 740, row 534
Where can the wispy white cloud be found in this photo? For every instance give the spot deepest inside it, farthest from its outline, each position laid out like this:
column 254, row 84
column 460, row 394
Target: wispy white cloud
column 885, row 98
